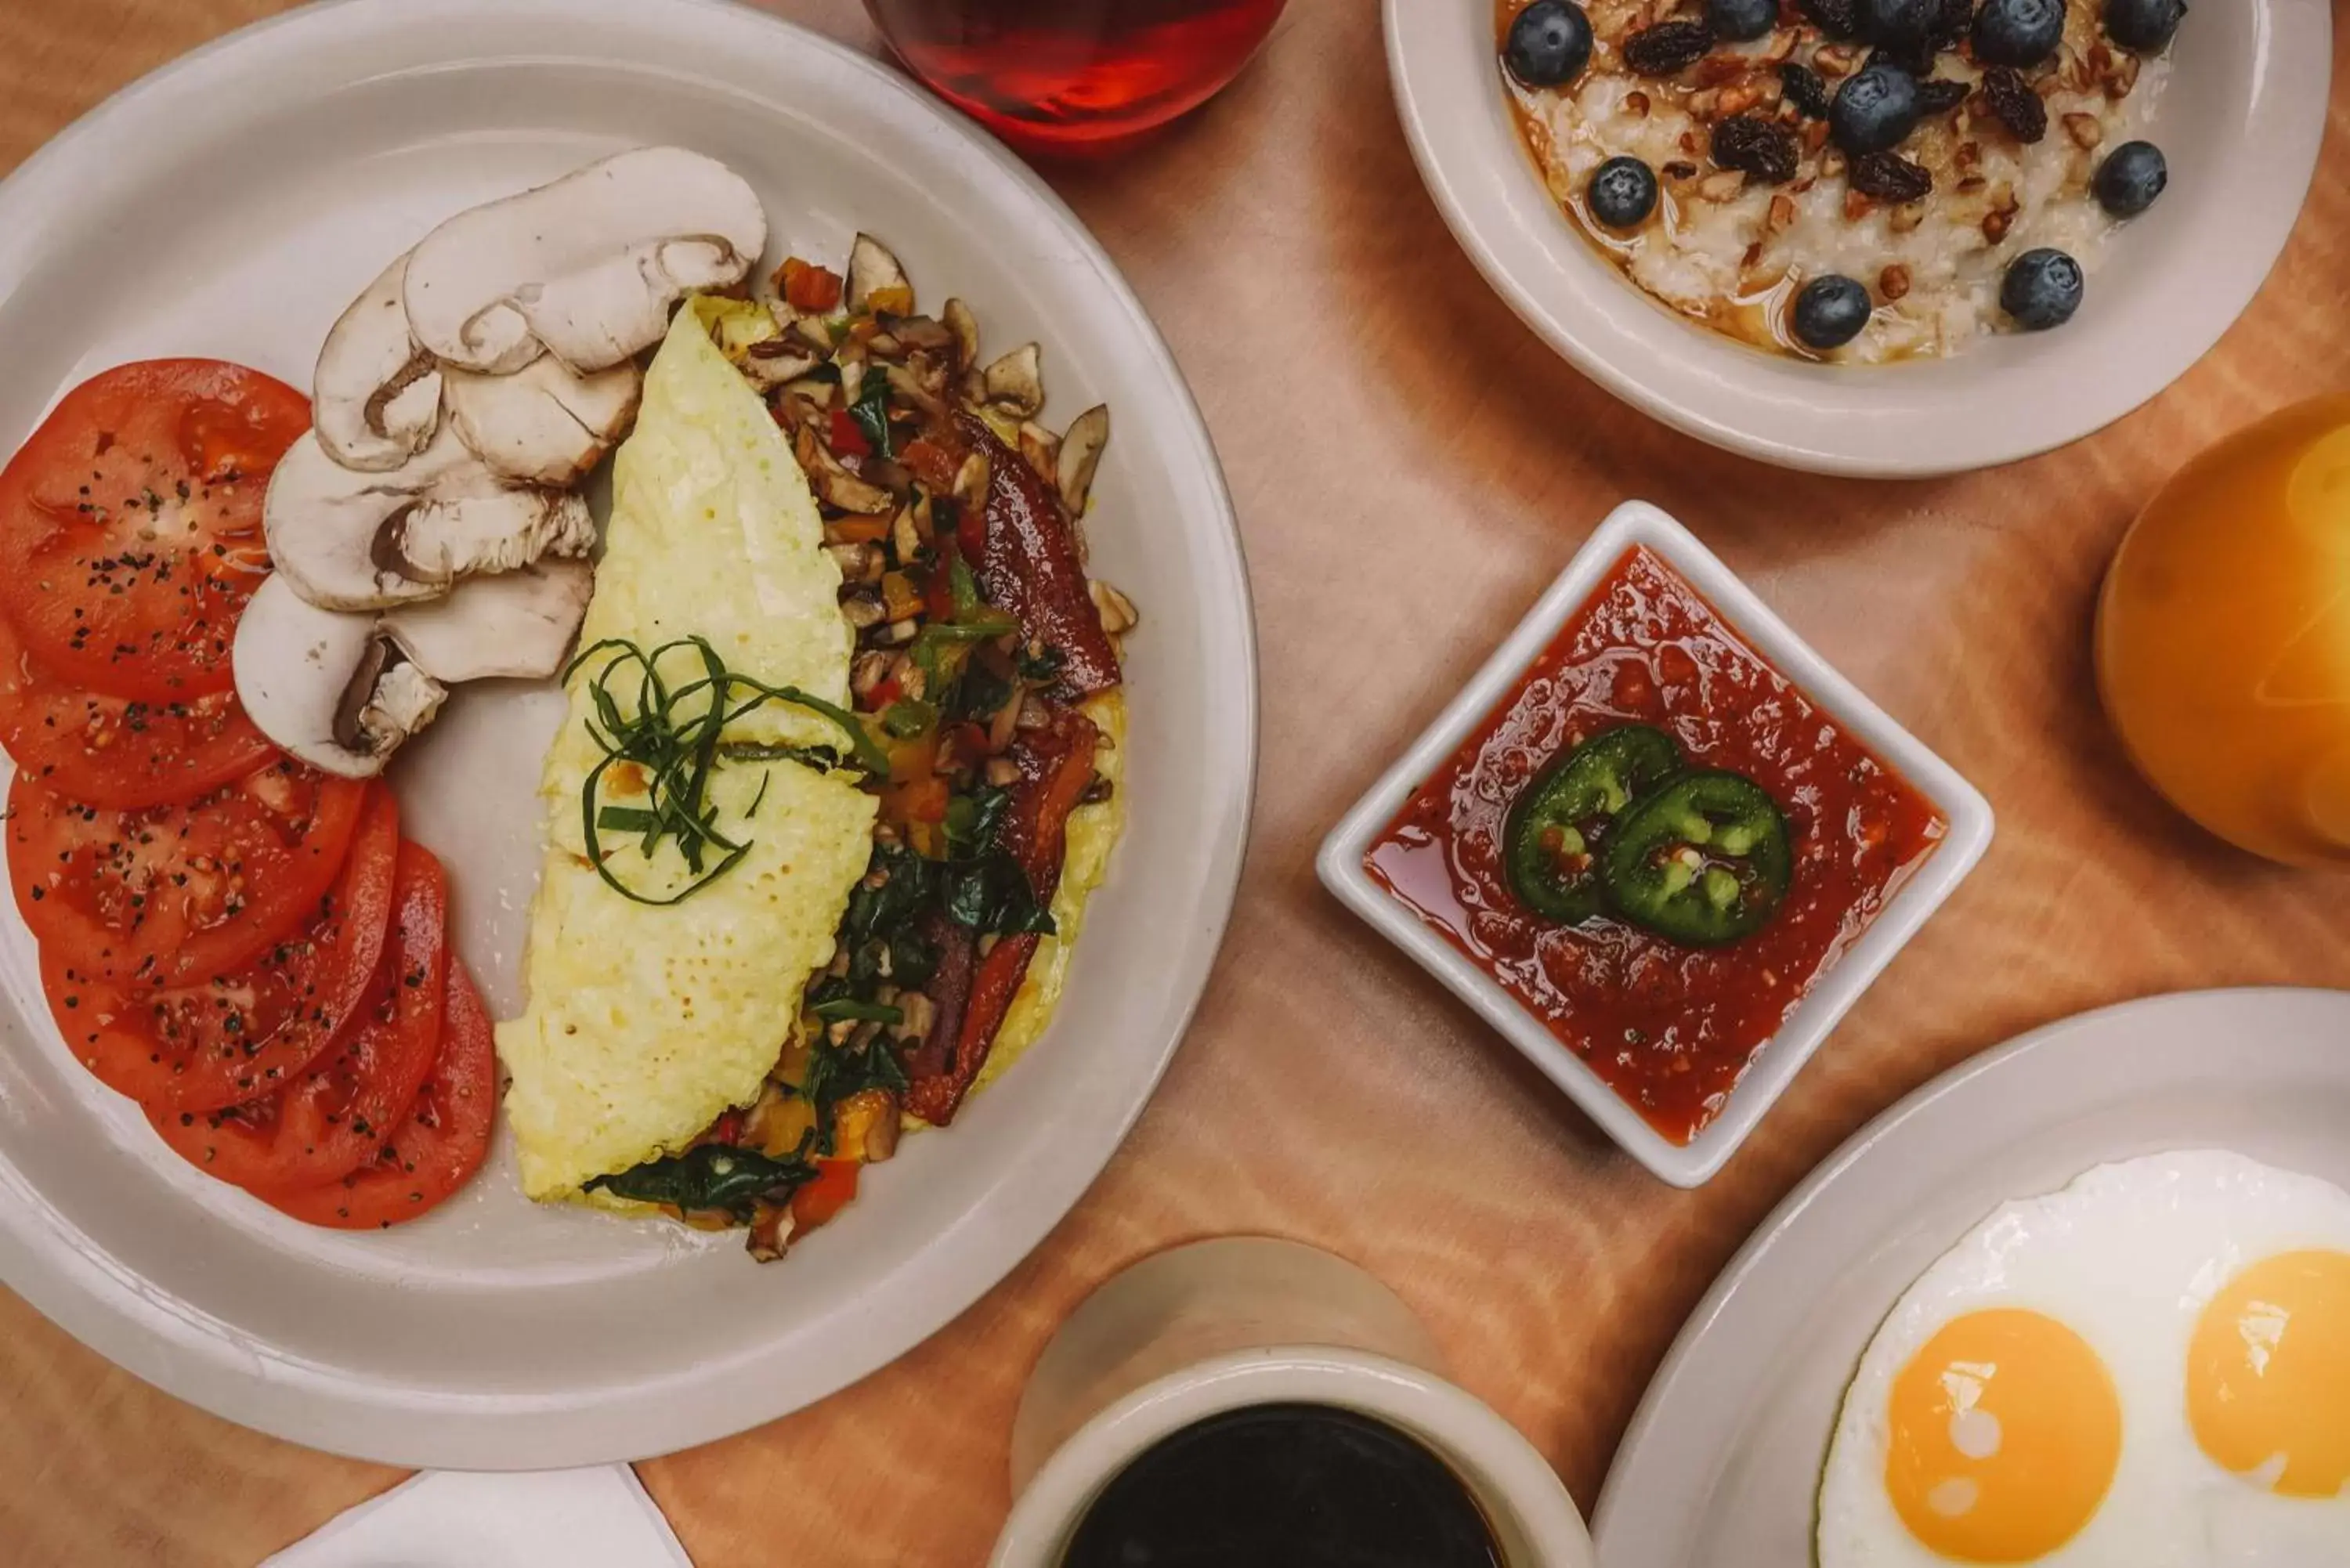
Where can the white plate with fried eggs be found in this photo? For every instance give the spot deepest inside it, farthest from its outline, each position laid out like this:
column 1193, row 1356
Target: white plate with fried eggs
column 2082, row 1302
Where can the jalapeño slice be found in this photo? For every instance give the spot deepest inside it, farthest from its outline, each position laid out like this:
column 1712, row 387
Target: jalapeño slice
column 1702, row 861
column 1551, row 845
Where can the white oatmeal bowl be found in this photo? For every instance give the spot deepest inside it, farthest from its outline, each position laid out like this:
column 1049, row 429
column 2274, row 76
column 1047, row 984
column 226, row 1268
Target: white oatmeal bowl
column 1687, row 314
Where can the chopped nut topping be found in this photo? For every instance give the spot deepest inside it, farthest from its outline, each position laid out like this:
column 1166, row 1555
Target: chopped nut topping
column 2086, row 130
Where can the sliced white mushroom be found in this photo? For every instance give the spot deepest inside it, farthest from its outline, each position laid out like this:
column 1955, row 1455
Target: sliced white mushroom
column 1042, row 448
column 833, row 483
column 775, row 362
column 587, row 266
column 965, row 327
column 1081, row 451
column 515, row 624
column 1015, row 384
column 872, row 268
column 544, row 424
column 376, row 395
column 324, row 684
column 442, row 540
column 349, row 541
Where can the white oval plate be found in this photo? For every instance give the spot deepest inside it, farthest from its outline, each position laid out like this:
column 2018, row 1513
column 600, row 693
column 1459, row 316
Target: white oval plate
column 2239, row 121
column 230, row 206
column 1722, row 1462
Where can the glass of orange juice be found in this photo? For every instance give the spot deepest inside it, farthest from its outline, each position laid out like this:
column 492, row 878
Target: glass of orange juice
column 2224, row 636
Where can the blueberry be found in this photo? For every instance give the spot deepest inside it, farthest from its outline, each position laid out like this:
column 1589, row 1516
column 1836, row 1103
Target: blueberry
column 1550, row 43
column 1741, row 21
column 1875, row 108
column 2144, row 25
column 2041, row 289
column 1623, row 193
column 1831, row 311
column 2018, row 33
column 2130, row 178
column 1898, row 23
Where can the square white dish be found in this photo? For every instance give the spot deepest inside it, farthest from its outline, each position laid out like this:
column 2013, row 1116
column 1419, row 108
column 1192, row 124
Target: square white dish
column 1832, row 992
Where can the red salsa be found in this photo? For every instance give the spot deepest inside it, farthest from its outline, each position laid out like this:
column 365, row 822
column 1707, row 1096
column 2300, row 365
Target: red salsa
column 1671, row 1029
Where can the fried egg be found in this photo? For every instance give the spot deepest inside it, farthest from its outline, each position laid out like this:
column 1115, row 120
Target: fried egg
column 645, row 1022
column 2148, row 1369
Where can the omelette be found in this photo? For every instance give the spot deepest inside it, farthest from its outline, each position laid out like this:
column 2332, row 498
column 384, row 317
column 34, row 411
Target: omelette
column 843, row 761
column 646, row 1022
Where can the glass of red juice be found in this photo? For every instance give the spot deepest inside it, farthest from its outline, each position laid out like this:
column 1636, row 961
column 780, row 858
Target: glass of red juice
column 1075, row 77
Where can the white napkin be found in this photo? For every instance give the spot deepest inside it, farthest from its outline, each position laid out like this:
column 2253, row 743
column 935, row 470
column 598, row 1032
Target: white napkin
column 447, row 1519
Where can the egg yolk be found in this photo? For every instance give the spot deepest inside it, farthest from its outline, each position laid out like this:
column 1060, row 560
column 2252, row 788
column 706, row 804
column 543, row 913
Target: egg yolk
column 2005, row 1433
column 2268, row 1374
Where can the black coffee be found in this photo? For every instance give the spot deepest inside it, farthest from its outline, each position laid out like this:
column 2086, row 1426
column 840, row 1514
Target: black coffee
column 1286, row 1486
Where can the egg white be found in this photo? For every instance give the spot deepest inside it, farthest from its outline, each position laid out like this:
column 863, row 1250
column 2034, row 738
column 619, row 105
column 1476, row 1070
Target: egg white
column 2127, row 1257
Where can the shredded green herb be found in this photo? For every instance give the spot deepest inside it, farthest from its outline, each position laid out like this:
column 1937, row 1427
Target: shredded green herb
column 836, row 1072
column 871, row 411
column 712, row 1177
column 674, row 735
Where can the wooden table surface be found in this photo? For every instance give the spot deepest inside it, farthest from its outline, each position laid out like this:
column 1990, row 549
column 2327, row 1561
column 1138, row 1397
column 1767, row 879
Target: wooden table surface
column 1410, row 465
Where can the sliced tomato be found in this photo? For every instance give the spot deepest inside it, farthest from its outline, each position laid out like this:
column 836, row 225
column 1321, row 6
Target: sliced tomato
column 334, row 1115
column 115, row 751
column 437, row 1148
column 235, row 1037
column 130, row 523
column 167, row 894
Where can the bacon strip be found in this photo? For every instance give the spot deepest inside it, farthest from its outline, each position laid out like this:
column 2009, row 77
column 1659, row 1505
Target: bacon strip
column 1027, row 562
column 1056, row 765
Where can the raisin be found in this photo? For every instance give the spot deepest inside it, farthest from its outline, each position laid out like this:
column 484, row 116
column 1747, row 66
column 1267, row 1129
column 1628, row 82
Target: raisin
column 1917, row 59
column 1889, row 177
column 1668, row 49
column 1680, row 170
column 1953, row 23
column 1763, row 150
column 1805, row 88
column 1939, row 96
column 1836, row 18
column 2018, row 106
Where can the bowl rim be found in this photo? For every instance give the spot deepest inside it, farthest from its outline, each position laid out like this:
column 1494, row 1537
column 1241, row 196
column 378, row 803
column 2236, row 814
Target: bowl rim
column 1500, row 1464
column 1774, row 1064
column 1906, row 420
column 157, row 1336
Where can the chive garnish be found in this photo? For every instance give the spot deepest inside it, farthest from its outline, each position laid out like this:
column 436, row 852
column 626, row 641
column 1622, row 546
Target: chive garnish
column 673, row 735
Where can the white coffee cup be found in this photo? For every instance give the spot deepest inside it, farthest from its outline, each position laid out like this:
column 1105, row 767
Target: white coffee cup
column 1244, row 1321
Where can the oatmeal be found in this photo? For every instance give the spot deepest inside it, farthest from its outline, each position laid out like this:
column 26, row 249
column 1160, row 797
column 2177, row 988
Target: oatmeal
column 1763, row 170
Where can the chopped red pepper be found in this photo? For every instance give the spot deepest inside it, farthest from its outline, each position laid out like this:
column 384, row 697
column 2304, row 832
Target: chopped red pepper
column 832, row 1190
column 1057, row 766
column 809, row 287
column 923, row 800
column 962, row 743
column 848, row 440
column 931, row 462
column 882, row 695
column 1026, row 557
